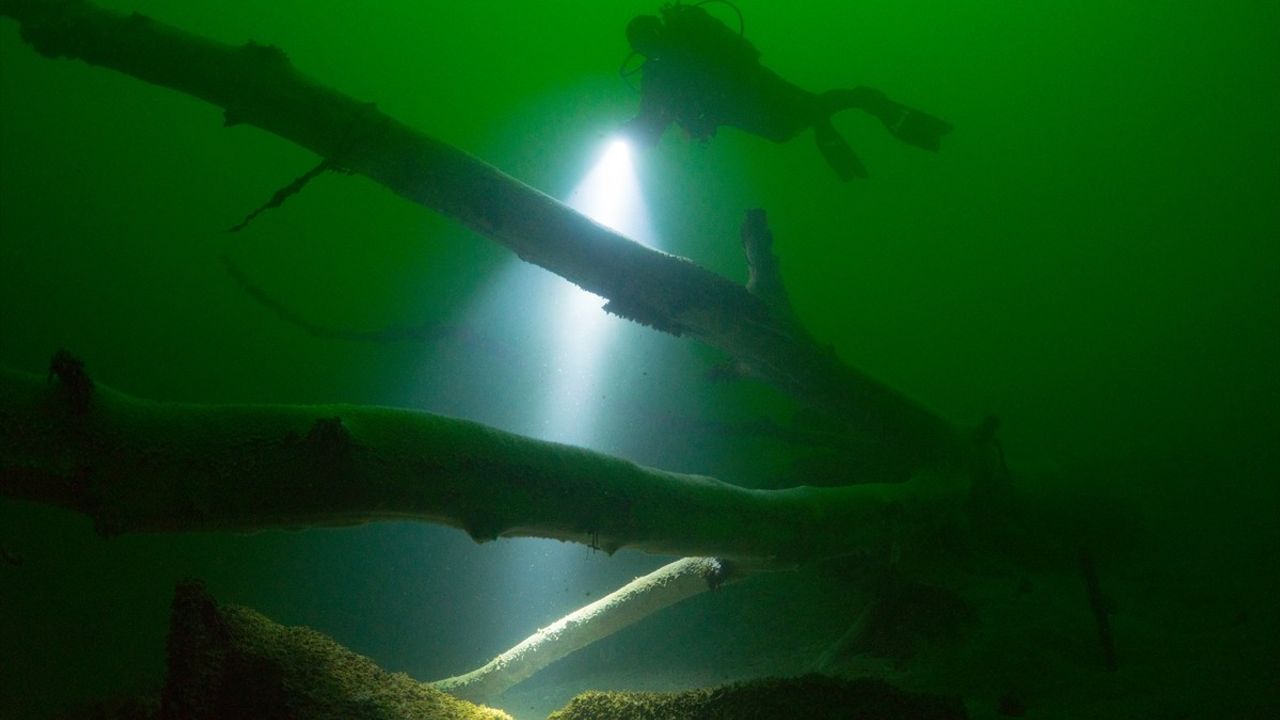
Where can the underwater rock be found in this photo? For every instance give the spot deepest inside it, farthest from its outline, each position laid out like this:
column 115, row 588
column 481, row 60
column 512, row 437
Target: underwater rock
column 812, row 697
column 232, row 662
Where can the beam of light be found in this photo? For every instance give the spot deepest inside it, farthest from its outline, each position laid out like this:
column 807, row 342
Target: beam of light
column 562, row 340
column 579, row 335
column 551, row 334
column 609, row 194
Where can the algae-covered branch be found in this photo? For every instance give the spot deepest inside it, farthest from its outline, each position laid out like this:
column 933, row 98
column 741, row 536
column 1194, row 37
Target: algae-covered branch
column 136, row 465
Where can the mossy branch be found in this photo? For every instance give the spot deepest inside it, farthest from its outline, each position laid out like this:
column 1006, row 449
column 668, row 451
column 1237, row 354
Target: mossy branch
column 257, row 85
column 668, row 585
column 136, row 465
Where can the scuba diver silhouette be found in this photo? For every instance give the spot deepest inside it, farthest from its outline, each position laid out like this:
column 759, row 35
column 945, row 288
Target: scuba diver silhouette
column 699, row 74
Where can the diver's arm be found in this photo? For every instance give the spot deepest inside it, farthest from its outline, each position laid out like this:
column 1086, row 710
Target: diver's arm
column 655, row 116
column 645, row 129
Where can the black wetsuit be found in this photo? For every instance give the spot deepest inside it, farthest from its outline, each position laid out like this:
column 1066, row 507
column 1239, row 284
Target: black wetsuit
column 702, row 75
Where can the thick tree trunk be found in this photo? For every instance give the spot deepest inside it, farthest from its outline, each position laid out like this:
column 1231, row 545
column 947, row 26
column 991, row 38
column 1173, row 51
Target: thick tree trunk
column 256, row 84
column 135, row 465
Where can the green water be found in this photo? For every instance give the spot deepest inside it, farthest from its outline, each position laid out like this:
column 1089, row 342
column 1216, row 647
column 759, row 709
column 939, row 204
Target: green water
column 1093, row 257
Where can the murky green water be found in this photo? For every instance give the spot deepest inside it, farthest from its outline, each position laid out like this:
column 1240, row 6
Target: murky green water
column 1092, row 257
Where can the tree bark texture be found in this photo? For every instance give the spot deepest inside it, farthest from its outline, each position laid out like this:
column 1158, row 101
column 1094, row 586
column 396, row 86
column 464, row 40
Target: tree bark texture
column 135, row 465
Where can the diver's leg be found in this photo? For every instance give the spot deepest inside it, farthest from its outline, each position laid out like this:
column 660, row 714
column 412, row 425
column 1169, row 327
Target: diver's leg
column 860, row 98
column 909, row 125
column 837, row 152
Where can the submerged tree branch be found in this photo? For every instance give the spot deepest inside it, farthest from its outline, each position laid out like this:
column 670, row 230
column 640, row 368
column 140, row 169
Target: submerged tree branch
column 256, row 84
column 136, row 465
column 634, row 601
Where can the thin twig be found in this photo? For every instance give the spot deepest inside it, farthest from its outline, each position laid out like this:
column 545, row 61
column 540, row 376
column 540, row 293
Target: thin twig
column 283, row 194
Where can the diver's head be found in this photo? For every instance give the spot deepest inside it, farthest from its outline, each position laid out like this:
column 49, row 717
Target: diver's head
column 644, row 32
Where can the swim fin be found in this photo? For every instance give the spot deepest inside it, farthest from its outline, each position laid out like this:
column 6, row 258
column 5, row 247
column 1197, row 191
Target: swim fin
column 914, row 127
column 837, row 152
